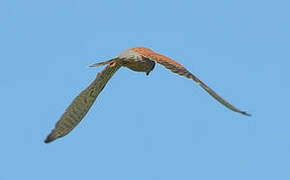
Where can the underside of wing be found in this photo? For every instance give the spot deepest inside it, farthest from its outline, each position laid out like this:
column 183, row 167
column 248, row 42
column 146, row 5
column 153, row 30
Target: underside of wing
column 81, row 104
column 216, row 96
column 182, row 71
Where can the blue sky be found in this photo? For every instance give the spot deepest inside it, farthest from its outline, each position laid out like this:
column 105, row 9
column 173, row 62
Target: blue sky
column 157, row 127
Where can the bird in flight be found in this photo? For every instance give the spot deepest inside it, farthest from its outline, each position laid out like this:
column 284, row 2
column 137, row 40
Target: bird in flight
column 138, row 59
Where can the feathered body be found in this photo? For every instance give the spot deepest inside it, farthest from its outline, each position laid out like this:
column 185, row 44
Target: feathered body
column 136, row 62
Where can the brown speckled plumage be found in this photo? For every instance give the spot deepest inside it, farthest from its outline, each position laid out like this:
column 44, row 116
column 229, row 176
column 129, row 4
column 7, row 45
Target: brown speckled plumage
column 137, row 59
column 81, row 104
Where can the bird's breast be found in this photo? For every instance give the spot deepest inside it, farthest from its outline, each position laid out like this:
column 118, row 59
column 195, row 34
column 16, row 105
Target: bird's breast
column 140, row 64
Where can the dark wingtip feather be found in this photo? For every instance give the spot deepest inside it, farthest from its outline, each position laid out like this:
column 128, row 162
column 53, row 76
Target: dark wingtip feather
column 48, row 139
column 246, row 114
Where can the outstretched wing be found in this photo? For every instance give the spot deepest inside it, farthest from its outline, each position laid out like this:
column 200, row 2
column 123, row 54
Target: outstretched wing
column 182, row 71
column 81, row 104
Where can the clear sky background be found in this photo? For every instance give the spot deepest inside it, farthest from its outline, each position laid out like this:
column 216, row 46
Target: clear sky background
column 157, row 127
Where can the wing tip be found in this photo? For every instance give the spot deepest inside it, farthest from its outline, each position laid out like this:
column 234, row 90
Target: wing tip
column 49, row 139
column 245, row 113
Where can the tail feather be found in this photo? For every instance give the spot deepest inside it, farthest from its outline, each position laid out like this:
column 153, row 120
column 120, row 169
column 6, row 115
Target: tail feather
column 102, row 63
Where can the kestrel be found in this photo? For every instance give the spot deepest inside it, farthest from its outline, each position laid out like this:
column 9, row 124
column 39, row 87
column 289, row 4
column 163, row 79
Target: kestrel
column 138, row 59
